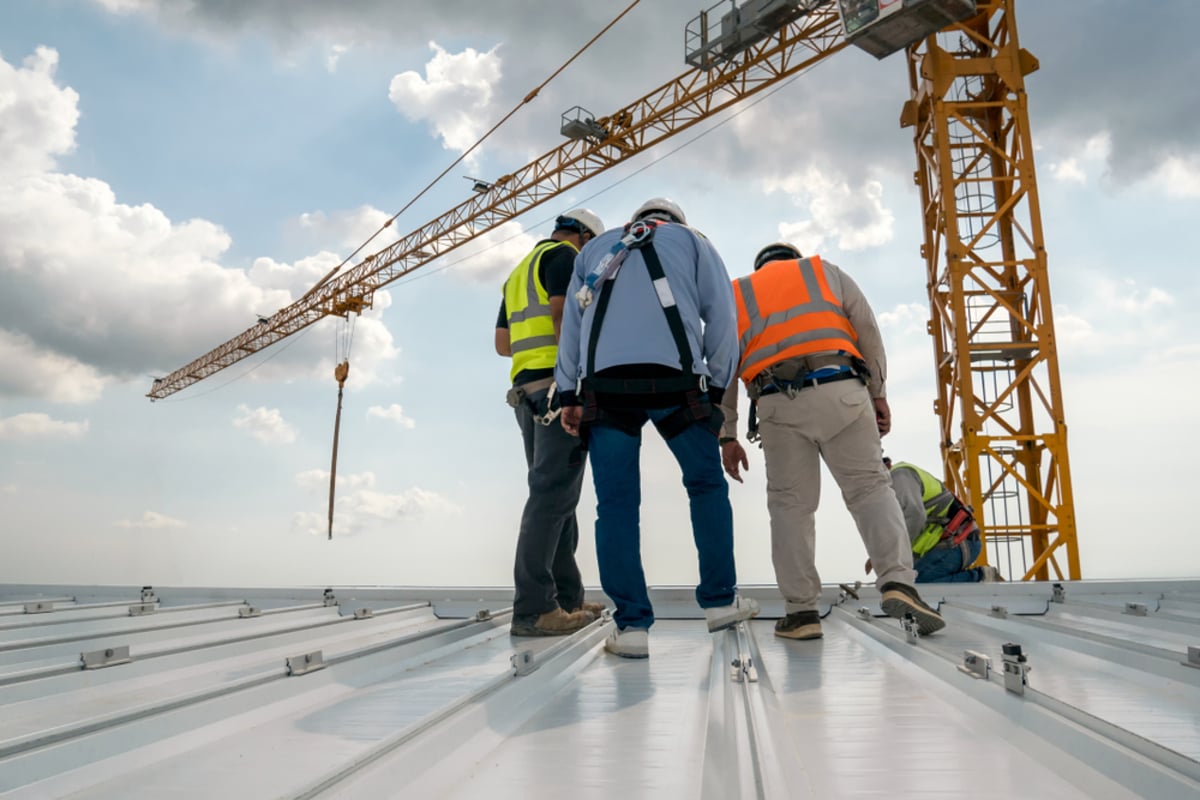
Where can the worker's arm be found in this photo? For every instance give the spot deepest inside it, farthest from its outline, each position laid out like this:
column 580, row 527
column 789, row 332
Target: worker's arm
column 566, row 368
column 555, row 272
column 907, row 486
column 503, row 341
column 870, row 340
column 720, row 320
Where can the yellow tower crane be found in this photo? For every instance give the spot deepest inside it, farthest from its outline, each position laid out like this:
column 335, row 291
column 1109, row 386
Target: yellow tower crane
column 1002, row 426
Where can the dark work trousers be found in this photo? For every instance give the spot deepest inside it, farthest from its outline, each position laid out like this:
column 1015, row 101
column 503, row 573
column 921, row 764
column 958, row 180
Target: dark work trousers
column 546, row 574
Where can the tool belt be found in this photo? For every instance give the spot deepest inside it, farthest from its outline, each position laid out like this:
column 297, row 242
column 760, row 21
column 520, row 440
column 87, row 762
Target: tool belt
column 546, row 408
column 793, row 374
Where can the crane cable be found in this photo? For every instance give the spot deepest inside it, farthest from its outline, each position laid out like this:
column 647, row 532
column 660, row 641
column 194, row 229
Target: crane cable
column 342, row 353
column 528, row 98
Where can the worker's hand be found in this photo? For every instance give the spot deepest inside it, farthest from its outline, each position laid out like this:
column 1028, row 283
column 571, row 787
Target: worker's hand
column 732, row 455
column 867, row 567
column 883, row 416
column 571, row 416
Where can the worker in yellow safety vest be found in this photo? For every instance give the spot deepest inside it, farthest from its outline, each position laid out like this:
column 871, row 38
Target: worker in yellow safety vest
column 813, row 363
column 549, row 596
column 945, row 539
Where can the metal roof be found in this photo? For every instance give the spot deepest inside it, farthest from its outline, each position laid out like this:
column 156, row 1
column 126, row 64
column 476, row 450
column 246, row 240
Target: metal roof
column 420, row 692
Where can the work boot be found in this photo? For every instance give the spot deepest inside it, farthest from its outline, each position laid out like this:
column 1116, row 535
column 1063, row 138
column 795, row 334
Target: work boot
column 900, row 599
column 553, row 623
column 989, row 574
column 628, row 642
column 595, row 609
column 722, row 617
column 799, row 625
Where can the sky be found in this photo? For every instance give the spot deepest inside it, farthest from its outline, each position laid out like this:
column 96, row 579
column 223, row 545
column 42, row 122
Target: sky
column 171, row 169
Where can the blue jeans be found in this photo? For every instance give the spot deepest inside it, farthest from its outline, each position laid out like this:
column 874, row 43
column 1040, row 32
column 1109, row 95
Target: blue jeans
column 945, row 564
column 617, row 478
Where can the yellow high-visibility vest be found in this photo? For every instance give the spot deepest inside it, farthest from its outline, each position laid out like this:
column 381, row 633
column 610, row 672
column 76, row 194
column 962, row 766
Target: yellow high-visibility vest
column 937, row 500
column 530, row 326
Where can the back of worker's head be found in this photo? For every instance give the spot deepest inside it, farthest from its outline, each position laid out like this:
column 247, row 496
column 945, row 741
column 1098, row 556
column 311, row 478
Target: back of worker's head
column 660, row 208
column 776, row 251
column 580, row 221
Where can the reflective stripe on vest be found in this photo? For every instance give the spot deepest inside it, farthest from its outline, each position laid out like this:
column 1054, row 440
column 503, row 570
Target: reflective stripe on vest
column 786, row 310
column 937, row 500
column 530, row 326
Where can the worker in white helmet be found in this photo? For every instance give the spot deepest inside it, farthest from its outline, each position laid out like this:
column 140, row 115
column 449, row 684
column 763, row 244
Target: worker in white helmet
column 812, row 359
column 549, row 598
column 651, row 336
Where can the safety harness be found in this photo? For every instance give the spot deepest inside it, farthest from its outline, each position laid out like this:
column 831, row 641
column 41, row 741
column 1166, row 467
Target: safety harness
column 546, row 409
column 696, row 407
column 948, row 521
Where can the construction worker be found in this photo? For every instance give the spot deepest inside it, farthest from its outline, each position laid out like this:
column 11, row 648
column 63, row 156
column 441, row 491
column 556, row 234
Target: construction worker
column 945, row 539
column 549, row 598
column 813, row 363
column 649, row 335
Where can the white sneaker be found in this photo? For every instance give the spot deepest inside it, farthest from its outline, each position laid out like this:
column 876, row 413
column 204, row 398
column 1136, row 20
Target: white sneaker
column 628, row 643
column 723, row 617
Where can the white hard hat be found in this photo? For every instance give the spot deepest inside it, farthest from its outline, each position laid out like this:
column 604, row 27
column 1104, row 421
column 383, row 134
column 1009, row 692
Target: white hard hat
column 585, row 218
column 777, row 251
column 660, row 207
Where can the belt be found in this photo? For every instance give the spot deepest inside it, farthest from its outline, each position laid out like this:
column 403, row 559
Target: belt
column 775, row 387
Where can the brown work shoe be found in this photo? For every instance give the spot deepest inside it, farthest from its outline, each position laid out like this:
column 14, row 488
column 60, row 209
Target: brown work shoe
column 900, row 599
column 553, row 623
column 595, row 609
column 799, row 625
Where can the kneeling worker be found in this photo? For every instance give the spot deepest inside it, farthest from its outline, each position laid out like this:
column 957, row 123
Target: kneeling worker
column 945, row 538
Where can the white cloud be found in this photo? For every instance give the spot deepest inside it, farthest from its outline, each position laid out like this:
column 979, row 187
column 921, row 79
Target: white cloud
column 8, row 488
column 264, row 424
column 1128, row 297
column 393, row 413
column 359, row 508
column 1180, row 177
column 349, row 229
column 40, row 426
column 907, row 318
column 133, row 292
column 37, row 119
column 454, row 97
column 1068, row 170
column 489, row 257
column 27, row 370
column 151, row 520
column 335, row 55
column 857, row 218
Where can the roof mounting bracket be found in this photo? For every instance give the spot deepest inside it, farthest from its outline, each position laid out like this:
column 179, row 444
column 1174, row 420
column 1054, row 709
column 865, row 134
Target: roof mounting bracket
column 148, row 595
column 483, row 615
column 1193, row 657
column 977, row 665
column 1136, row 609
column 524, row 663
column 1060, row 594
column 864, row 613
column 363, row 613
column 999, row 611
column 108, row 657
column 249, row 611
column 1016, row 668
column 142, row 609
column 328, row 599
column 39, row 607
column 911, row 630
column 302, row 664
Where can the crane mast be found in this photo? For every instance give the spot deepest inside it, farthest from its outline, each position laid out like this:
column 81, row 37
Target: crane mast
column 1002, row 426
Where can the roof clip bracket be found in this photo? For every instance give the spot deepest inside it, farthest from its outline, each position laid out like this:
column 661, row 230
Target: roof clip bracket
column 1193, row 657
column 249, row 611
column 363, row 613
column 524, row 663
column 1016, row 668
column 1060, row 594
column 108, row 657
column 999, row 611
column 39, row 607
column 328, row 599
column 977, row 665
column 911, row 630
column 302, row 664
column 1136, row 609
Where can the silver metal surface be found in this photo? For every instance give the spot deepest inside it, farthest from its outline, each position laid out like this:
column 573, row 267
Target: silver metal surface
column 428, row 696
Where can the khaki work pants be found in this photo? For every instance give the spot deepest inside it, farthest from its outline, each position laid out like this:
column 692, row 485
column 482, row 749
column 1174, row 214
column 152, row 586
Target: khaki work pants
column 834, row 422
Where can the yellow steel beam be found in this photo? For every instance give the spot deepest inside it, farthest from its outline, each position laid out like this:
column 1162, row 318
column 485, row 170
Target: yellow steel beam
column 999, row 403
column 662, row 113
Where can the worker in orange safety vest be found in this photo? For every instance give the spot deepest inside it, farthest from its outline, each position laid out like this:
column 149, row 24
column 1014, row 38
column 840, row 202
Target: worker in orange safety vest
column 813, row 363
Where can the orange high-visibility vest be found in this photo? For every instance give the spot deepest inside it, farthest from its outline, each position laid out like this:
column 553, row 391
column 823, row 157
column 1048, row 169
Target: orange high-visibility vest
column 787, row 310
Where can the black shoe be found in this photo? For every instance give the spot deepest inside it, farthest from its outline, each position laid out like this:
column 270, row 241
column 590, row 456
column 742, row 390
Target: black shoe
column 799, row 625
column 900, row 599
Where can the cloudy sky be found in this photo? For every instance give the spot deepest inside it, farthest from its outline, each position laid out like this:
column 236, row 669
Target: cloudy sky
column 171, row 169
